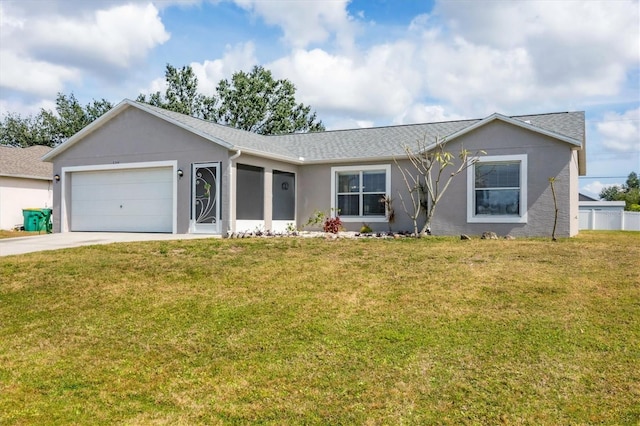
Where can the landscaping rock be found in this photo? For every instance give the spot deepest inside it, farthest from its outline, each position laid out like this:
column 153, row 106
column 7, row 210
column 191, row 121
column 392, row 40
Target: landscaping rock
column 489, row 236
column 465, row 237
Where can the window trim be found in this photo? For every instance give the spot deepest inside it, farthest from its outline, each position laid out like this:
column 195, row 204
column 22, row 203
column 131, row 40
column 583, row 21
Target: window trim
column 471, row 190
column 359, row 169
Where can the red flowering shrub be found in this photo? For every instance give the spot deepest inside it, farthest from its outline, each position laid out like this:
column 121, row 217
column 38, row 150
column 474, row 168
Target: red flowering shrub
column 332, row 224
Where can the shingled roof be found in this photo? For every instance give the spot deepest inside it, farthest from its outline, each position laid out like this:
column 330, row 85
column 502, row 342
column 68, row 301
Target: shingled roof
column 25, row 162
column 345, row 145
column 376, row 142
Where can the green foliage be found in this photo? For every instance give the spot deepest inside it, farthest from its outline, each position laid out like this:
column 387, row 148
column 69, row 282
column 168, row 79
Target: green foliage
column 51, row 128
column 316, row 219
column 629, row 192
column 257, row 103
column 325, row 221
column 251, row 101
column 633, row 181
column 365, row 229
column 181, row 94
column 610, row 193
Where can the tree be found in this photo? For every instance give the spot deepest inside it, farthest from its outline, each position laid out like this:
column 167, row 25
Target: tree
column 257, row 103
column 427, row 182
column 51, row 128
column 610, row 193
column 181, row 94
column 629, row 193
column 633, row 182
column 23, row 131
column 251, row 101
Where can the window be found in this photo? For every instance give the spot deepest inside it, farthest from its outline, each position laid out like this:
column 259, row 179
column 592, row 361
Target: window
column 497, row 189
column 356, row 192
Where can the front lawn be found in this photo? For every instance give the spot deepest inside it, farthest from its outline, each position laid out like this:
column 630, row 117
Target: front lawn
column 312, row 331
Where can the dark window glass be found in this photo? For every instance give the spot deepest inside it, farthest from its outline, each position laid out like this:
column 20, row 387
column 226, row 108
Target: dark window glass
column 371, row 205
column 348, row 205
column 249, row 192
column 497, row 188
column 348, row 182
column 374, row 181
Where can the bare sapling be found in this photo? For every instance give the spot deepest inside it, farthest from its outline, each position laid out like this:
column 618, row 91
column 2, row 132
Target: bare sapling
column 431, row 171
column 552, row 181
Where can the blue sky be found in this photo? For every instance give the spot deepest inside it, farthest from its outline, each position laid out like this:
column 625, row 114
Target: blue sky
column 357, row 63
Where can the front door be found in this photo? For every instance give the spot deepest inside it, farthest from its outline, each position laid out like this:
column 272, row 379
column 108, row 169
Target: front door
column 205, row 204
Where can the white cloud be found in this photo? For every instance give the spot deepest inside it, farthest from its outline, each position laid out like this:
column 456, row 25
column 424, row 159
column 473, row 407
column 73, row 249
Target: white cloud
column 378, row 84
column 621, row 132
column 43, row 49
column 594, row 188
column 420, row 113
column 209, row 73
column 24, row 74
column 483, row 57
column 8, row 106
column 117, row 37
column 306, row 22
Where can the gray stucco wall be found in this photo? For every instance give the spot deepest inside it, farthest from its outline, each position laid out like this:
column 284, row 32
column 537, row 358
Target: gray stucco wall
column 134, row 136
column 546, row 157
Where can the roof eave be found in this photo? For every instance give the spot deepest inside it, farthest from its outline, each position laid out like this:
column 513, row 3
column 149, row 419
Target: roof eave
column 25, row 177
column 495, row 116
column 113, row 112
column 354, row 160
column 269, row 156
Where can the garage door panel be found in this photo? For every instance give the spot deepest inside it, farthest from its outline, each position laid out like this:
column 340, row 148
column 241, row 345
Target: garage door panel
column 124, row 176
column 130, row 200
column 147, row 191
column 107, row 223
column 120, row 207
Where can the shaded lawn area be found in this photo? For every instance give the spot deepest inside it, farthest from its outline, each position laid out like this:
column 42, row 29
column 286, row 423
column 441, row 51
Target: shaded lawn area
column 309, row 331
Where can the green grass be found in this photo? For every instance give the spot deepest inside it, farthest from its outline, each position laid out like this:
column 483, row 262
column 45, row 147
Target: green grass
column 310, row 331
column 16, row 234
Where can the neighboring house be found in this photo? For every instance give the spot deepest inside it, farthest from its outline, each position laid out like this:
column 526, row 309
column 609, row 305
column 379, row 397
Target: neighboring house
column 616, row 206
column 25, row 182
column 583, row 197
column 586, row 202
column 144, row 169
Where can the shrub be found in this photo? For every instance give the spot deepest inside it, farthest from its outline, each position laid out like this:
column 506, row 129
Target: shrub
column 332, row 224
column 366, row 229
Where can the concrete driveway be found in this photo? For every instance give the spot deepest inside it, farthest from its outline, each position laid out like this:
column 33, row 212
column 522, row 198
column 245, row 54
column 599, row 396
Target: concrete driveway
column 11, row 246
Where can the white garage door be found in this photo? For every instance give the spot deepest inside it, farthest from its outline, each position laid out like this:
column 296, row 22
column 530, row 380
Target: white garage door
column 124, row 200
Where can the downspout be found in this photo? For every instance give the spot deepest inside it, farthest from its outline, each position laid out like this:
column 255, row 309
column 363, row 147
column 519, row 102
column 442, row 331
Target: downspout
column 231, row 193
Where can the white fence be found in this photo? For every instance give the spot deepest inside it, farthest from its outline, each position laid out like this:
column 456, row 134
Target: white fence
column 609, row 220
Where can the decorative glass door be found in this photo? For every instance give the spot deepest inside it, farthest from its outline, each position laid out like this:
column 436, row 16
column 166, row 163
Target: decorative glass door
column 205, row 204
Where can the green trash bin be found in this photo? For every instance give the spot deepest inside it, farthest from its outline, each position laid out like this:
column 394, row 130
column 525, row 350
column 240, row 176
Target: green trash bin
column 47, row 224
column 37, row 220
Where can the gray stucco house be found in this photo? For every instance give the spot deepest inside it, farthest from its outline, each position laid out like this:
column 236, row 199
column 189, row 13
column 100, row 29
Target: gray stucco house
column 139, row 168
